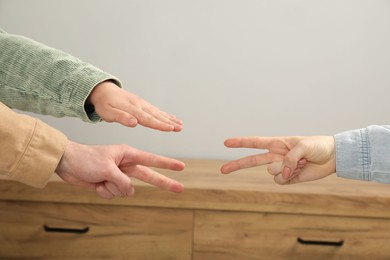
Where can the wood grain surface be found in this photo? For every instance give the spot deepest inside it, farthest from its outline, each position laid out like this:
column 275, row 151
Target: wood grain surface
column 246, row 190
column 113, row 232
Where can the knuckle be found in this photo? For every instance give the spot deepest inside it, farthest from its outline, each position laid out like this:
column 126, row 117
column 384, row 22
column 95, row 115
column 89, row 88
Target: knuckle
column 253, row 160
column 269, row 168
column 289, row 161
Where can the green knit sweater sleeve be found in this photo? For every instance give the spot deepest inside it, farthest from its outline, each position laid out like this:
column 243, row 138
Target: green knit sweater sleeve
column 40, row 79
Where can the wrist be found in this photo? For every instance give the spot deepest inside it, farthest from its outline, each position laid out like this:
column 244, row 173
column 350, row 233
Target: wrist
column 99, row 91
column 62, row 164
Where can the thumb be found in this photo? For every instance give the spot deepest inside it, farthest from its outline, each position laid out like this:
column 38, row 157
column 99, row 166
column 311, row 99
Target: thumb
column 292, row 158
column 125, row 119
column 112, row 114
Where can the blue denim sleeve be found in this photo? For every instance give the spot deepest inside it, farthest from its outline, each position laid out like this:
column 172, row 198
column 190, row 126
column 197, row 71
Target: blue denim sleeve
column 364, row 154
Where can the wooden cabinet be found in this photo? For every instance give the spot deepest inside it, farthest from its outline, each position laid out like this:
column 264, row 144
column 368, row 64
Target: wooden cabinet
column 69, row 231
column 243, row 235
column 244, row 215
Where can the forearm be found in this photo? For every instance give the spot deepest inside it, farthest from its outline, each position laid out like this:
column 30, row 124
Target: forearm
column 30, row 149
column 364, row 154
column 40, row 79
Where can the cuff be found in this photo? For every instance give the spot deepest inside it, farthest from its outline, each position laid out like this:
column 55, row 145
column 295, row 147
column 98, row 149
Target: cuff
column 41, row 157
column 82, row 82
column 352, row 155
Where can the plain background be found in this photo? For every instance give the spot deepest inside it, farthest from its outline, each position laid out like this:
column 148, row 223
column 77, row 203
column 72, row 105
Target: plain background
column 225, row 67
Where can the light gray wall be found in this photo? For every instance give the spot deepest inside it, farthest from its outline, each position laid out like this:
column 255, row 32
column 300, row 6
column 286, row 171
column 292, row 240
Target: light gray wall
column 225, row 67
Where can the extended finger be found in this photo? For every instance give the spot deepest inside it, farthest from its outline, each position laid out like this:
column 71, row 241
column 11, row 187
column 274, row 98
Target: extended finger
column 130, row 114
column 152, row 177
column 280, row 143
column 250, row 161
column 249, row 142
column 172, row 118
column 149, row 120
column 164, row 118
column 153, row 160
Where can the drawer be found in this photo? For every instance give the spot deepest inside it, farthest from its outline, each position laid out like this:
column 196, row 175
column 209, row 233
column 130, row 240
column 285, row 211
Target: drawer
column 75, row 231
column 244, row 235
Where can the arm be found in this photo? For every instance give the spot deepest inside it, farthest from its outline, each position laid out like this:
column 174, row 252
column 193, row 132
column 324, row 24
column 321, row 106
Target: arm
column 30, row 150
column 357, row 154
column 364, row 154
column 40, row 79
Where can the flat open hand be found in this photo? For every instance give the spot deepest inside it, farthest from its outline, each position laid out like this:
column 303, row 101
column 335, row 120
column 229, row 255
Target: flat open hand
column 114, row 104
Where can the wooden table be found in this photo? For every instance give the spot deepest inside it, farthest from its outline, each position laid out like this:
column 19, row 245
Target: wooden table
column 244, row 215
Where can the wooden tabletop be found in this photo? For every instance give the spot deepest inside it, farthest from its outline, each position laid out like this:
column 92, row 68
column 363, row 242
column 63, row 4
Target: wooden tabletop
column 246, row 190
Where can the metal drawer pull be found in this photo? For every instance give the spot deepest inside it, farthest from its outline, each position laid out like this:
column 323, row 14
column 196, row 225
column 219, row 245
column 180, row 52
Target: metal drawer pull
column 319, row 242
column 66, row 230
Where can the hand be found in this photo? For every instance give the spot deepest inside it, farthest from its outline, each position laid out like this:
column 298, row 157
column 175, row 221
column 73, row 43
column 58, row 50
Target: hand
column 114, row 104
column 108, row 169
column 289, row 159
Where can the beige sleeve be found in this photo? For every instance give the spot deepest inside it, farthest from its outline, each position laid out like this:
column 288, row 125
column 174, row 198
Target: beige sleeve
column 30, row 149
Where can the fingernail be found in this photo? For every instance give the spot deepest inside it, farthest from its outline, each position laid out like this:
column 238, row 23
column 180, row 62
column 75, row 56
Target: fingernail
column 178, row 188
column 178, row 128
column 302, row 162
column 133, row 122
column 131, row 192
column 286, row 173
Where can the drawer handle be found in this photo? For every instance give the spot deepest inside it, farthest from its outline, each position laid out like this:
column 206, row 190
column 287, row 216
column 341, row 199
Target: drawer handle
column 319, row 242
column 66, row 230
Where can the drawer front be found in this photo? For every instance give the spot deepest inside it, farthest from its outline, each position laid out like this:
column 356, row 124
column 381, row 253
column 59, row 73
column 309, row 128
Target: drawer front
column 75, row 231
column 239, row 235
